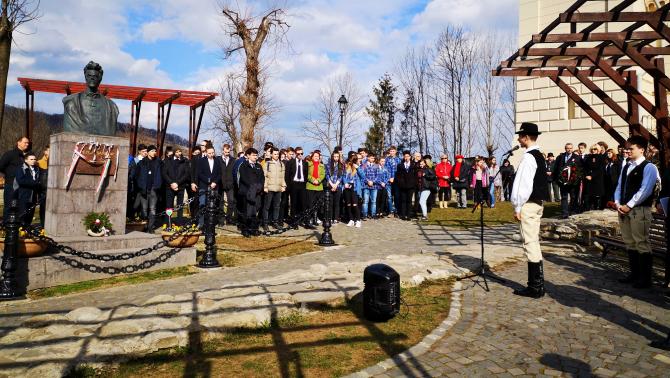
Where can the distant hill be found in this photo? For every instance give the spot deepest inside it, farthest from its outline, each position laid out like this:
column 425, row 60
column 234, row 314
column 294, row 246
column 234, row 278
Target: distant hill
column 46, row 124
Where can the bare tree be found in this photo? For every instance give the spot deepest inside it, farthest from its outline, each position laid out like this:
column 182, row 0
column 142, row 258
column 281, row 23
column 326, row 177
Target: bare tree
column 323, row 122
column 227, row 108
column 493, row 111
column 413, row 70
column 13, row 14
column 248, row 34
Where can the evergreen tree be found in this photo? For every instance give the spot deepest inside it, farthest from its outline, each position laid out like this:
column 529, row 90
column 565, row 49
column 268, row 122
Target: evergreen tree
column 382, row 113
column 408, row 123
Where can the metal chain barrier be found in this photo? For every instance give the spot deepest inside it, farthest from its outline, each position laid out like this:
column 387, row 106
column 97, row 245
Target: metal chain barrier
column 133, row 268
column 293, row 221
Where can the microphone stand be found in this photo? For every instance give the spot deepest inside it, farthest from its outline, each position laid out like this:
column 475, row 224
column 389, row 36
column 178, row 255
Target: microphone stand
column 483, row 270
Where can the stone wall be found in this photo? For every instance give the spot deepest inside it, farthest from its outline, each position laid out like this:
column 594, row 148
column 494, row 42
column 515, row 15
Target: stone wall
column 66, row 208
column 581, row 228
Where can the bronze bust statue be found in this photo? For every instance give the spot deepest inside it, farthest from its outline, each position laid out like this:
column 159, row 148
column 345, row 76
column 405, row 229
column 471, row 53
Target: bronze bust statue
column 90, row 112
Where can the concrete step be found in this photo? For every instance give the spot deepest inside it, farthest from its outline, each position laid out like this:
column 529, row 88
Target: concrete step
column 46, row 271
column 135, row 239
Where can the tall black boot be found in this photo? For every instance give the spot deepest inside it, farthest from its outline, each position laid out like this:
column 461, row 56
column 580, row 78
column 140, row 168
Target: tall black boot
column 645, row 271
column 535, row 287
column 633, row 265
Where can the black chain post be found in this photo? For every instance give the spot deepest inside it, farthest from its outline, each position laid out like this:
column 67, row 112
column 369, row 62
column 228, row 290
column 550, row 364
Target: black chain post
column 8, row 285
column 209, row 258
column 326, row 236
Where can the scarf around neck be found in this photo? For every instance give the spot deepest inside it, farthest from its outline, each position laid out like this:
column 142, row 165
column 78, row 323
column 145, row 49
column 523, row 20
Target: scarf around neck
column 315, row 171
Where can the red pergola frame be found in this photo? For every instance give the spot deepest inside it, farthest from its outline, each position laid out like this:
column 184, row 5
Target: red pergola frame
column 195, row 100
column 614, row 57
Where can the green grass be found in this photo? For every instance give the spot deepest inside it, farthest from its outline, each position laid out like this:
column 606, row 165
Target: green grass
column 78, row 287
column 329, row 342
column 503, row 213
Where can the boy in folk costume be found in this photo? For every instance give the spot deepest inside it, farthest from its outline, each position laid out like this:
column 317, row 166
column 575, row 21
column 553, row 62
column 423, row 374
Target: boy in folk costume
column 529, row 192
column 634, row 196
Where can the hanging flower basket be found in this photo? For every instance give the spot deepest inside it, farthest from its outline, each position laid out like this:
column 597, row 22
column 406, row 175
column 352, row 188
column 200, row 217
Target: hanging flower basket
column 188, row 237
column 26, row 246
column 136, row 225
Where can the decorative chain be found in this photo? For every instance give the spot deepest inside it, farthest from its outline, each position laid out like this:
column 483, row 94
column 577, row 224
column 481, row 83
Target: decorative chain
column 179, row 207
column 132, row 268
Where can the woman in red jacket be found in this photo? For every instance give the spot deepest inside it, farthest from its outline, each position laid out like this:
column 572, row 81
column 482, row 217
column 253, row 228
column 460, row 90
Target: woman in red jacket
column 443, row 171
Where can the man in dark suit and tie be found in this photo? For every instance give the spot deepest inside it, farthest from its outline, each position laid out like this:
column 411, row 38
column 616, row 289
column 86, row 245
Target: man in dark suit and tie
column 296, row 173
column 569, row 185
column 207, row 175
column 226, row 190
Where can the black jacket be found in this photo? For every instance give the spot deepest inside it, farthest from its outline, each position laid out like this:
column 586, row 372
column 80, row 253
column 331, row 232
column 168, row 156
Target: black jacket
column 176, row 170
column 561, row 163
column 252, row 181
column 204, row 177
column 227, row 179
column 463, row 181
column 594, row 166
column 290, row 173
column 10, row 162
column 405, row 178
column 426, row 179
column 148, row 175
column 550, row 168
column 28, row 187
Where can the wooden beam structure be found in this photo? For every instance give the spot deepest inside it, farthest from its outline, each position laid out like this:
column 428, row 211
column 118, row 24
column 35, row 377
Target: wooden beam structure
column 136, row 95
column 619, row 56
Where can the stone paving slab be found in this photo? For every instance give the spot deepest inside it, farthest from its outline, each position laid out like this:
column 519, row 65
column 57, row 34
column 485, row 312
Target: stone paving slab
column 587, row 325
column 45, row 337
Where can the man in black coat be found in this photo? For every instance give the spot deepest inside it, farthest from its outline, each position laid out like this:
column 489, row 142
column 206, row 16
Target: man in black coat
column 207, row 175
column 295, row 177
column 194, row 206
column 10, row 162
column 405, row 179
column 227, row 191
column 554, row 190
column 28, row 187
column 251, row 184
column 176, row 177
column 569, row 189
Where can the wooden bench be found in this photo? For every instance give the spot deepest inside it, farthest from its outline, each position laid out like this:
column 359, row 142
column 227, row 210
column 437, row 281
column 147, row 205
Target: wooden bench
column 657, row 239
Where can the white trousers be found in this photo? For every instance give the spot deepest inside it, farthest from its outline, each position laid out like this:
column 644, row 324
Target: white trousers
column 531, row 214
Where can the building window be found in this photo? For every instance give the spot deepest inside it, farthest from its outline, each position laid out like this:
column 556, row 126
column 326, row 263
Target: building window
column 571, row 109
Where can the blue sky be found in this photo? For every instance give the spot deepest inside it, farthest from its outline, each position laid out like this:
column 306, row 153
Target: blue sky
column 177, row 44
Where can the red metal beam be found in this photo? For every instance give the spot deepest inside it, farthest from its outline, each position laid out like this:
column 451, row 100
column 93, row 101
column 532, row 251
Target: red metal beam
column 533, row 72
column 562, row 62
column 643, row 62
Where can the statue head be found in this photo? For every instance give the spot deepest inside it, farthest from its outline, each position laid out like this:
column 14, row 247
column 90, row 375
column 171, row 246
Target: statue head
column 93, row 75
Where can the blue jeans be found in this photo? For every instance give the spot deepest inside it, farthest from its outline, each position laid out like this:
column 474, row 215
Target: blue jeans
column 369, row 195
column 492, row 191
column 389, row 192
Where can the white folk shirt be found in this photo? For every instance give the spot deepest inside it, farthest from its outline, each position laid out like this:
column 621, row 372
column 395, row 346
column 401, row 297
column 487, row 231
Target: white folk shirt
column 523, row 181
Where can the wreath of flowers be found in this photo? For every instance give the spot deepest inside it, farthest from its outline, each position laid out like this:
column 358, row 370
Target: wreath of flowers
column 97, row 222
column 573, row 177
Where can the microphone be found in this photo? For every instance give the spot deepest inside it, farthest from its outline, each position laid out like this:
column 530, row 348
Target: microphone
column 512, row 150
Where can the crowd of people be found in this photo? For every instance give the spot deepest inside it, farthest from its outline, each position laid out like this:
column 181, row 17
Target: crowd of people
column 263, row 190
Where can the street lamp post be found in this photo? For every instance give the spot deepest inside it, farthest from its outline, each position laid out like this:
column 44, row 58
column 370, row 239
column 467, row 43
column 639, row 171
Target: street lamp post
column 343, row 106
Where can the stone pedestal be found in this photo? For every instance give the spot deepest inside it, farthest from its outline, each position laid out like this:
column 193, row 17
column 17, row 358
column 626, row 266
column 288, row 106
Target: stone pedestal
column 66, row 208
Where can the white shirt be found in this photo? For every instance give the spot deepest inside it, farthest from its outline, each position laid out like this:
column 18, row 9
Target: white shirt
column 523, row 181
column 211, row 165
column 649, row 178
column 298, row 171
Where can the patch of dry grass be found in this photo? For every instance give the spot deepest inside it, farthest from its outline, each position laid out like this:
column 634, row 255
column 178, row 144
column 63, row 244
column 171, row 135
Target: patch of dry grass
column 238, row 251
column 327, row 343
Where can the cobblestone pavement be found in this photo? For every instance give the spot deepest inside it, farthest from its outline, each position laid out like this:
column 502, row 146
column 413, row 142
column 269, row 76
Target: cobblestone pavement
column 375, row 240
column 587, row 325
